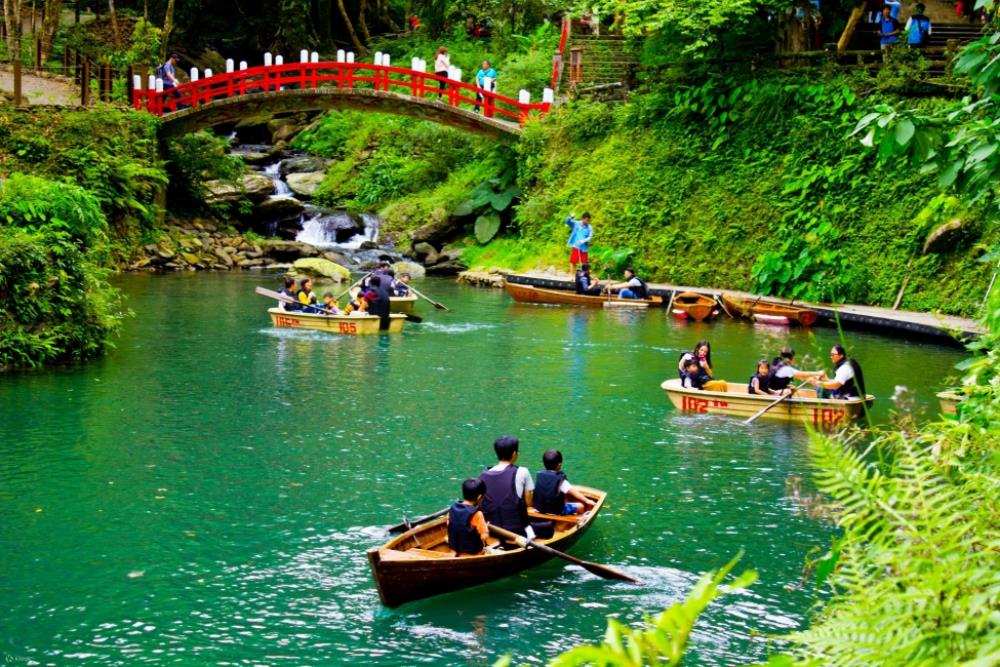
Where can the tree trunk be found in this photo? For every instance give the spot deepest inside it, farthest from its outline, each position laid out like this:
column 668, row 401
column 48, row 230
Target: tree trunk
column 350, row 28
column 362, row 23
column 12, row 19
column 383, row 14
column 168, row 27
column 324, row 15
column 114, row 25
column 53, row 10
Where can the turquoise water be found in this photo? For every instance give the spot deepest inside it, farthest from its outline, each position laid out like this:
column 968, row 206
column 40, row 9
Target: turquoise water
column 206, row 493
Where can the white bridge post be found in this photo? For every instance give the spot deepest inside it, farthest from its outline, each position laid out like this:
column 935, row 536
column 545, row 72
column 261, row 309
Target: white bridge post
column 230, row 66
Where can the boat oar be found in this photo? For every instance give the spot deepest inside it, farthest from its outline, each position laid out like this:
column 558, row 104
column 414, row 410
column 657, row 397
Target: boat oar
column 771, row 405
column 356, row 283
column 722, row 302
column 426, row 298
column 406, row 525
column 602, row 571
column 287, row 299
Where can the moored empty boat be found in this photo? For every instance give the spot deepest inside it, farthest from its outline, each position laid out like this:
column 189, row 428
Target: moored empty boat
column 337, row 324
column 769, row 311
column 419, row 563
column 949, row 401
column 803, row 406
column 532, row 294
column 697, row 307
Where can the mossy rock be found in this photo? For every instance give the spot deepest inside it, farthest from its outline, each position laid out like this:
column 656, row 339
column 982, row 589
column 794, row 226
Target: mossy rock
column 317, row 267
column 415, row 270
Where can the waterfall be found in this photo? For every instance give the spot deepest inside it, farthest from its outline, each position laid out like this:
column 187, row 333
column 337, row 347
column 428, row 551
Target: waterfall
column 281, row 188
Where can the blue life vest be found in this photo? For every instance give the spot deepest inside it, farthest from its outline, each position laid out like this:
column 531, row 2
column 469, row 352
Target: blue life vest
column 462, row 537
column 547, row 498
column 501, row 504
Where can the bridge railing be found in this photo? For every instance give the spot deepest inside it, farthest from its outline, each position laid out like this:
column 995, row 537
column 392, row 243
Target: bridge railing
column 343, row 75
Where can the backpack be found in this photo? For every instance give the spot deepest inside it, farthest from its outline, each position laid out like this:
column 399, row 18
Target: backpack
column 923, row 25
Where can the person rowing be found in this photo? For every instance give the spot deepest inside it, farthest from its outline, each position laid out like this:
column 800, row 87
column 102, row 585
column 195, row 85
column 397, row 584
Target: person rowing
column 848, row 380
column 632, row 288
column 584, row 283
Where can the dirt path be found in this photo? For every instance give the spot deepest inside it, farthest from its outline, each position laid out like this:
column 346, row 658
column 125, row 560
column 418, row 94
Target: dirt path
column 41, row 90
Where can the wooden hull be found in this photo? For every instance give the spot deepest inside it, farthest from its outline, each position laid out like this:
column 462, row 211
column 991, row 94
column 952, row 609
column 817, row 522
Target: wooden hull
column 530, row 294
column 418, row 563
column 773, row 320
column 803, row 407
column 698, row 307
column 351, row 326
column 402, row 304
column 949, row 402
column 763, row 310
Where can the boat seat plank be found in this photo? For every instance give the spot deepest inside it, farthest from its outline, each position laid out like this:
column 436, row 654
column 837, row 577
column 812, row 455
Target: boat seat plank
column 565, row 518
column 431, row 553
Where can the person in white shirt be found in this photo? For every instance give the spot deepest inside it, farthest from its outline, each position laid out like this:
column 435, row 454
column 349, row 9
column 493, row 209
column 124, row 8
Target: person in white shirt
column 847, row 379
column 785, row 372
column 441, row 66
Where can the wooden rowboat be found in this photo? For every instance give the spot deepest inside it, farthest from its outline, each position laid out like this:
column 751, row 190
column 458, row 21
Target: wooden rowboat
column 764, row 310
column 774, row 320
column 696, row 306
column 949, row 402
column 803, row 406
column 336, row 324
column 531, row 294
column 419, row 564
column 402, row 304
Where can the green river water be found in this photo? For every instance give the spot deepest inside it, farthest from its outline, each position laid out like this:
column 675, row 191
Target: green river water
column 206, row 493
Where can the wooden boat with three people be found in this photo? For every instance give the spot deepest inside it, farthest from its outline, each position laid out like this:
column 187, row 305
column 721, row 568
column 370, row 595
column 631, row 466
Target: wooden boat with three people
column 769, row 312
column 402, row 304
column 419, row 563
column 694, row 306
column 532, row 294
column 803, row 406
column 350, row 325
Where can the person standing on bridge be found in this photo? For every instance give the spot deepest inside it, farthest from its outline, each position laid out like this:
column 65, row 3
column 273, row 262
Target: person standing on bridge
column 167, row 73
column 486, row 79
column 441, row 66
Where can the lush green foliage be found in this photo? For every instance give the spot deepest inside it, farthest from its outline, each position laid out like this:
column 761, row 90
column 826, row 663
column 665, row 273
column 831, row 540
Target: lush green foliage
column 193, row 158
column 110, row 153
column 916, row 581
column 57, row 304
column 751, row 184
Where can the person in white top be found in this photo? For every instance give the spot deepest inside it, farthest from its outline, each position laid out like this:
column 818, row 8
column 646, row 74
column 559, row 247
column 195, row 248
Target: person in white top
column 441, row 66
column 786, row 372
column 508, row 489
column 846, row 382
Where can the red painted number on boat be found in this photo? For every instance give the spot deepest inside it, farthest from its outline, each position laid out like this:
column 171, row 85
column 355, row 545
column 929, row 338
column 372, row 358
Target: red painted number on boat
column 692, row 404
column 828, row 416
column 348, row 327
column 283, row 321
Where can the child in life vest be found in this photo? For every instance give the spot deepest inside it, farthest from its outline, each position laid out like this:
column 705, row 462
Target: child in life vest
column 552, row 489
column 467, row 529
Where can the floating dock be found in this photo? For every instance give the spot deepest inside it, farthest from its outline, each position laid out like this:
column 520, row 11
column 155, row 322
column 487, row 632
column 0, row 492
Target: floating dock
column 946, row 329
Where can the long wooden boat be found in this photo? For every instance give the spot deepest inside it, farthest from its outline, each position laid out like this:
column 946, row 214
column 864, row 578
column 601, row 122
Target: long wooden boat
column 336, row 324
column 767, row 310
column 697, row 307
column 419, row 563
column 949, row 402
column 804, row 406
column 531, row 294
column 402, row 304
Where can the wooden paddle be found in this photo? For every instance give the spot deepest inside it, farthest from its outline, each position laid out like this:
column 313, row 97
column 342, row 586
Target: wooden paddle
column 406, row 525
column 771, row 405
column 721, row 302
column 602, row 571
column 426, row 298
column 287, row 299
column 356, row 283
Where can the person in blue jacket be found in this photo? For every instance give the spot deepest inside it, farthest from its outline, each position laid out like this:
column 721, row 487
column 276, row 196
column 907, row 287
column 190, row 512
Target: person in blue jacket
column 579, row 240
column 486, row 79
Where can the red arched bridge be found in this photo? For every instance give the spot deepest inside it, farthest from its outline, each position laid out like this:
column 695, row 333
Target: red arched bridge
column 306, row 86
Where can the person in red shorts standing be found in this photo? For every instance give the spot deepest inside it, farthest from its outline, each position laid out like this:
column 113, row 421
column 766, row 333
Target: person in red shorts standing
column 579, row 240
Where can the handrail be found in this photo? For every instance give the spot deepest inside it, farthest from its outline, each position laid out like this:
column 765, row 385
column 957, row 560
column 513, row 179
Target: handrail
column 557, row 62
column 342, row 75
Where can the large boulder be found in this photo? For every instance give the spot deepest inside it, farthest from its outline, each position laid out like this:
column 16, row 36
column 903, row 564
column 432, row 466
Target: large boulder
column 287, row 251
column 339, row 226
column 414, row 269
column 302, row 164
column 423, row 250
column 256, row 188
column 337, row 258
column 279, row 208
column 317, row 267
column 439, row 231
column 305, row 183
column 451, row 267
column 943, row 236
